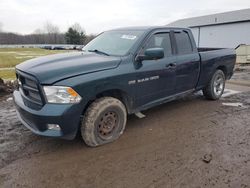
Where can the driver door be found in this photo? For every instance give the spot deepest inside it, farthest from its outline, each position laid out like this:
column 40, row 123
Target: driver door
column 156, row 78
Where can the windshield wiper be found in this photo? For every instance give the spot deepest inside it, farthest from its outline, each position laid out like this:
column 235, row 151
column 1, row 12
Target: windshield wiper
column 100, row 52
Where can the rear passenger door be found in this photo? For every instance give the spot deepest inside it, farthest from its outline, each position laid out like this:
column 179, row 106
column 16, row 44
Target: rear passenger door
column 187, row 62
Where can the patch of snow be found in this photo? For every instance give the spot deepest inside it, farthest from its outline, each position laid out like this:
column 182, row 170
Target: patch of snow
column 234, row 104
column 9, row 99
column 229, row 92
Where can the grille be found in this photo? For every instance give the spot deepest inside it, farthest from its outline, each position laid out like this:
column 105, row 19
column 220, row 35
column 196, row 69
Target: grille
column 29, row 88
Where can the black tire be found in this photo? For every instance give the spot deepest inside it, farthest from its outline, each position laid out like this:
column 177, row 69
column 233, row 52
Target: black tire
column 215, row 88
column 103, row 122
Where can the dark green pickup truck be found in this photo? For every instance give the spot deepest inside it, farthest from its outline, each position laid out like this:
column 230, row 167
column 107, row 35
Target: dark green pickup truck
column 120, row 72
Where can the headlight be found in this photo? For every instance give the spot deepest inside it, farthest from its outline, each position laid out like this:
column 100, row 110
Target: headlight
column 61, row 94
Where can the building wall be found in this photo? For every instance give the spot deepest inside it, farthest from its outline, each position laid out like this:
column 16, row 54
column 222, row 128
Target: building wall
column 195, row 32
column 223, row 36
column 243, row 54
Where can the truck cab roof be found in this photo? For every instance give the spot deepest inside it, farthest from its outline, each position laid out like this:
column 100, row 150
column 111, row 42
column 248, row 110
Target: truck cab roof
column 146, row 28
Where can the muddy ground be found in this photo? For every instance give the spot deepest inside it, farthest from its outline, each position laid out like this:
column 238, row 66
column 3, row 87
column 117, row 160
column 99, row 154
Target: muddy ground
column 191, row 142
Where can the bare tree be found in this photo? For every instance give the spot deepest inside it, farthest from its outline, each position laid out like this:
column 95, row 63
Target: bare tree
column 48, row 34
column 38, row 31
column 52, row 31
column 51, row 28
column 77, row 27
column 89, row 38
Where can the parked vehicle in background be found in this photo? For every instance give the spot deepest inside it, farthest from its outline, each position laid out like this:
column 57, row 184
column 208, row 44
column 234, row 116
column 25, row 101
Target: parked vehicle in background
column 78, row 47
column 61, row 47
column 120, row 72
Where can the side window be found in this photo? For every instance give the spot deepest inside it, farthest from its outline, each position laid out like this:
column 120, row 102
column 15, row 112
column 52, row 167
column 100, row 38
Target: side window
column 160, row 40
column 183, row 43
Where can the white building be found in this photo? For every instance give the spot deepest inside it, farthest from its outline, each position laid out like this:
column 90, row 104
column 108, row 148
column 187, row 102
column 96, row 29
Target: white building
column 225, row 30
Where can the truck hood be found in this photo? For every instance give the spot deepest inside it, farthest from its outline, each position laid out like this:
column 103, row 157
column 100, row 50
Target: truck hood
column 52, row 68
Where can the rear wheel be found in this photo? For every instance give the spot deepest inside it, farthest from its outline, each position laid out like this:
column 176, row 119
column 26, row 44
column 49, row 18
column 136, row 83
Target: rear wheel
column 104, row 121
column 215, row 87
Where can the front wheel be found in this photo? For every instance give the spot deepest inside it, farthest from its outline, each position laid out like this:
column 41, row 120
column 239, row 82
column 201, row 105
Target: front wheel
column 104, row 121
column 215, row 87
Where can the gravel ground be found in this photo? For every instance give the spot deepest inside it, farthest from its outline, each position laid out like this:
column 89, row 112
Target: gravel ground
column 191, row 142
column 241, row 76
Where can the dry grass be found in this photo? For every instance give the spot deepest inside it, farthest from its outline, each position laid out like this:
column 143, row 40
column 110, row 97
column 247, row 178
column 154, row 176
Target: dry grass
column 10, row 57
column 7, row 74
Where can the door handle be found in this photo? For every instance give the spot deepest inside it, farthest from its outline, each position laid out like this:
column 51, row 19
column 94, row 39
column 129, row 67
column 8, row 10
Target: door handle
column 171, row 66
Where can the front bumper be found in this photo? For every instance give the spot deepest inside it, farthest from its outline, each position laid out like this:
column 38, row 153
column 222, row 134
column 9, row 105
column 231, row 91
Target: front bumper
column 67, row 116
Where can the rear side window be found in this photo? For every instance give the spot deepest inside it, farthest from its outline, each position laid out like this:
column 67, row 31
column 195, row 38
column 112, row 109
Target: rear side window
column 160, row 40
column 183, row 43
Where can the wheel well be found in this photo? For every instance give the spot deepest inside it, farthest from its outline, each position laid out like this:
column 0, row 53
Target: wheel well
column 118, row 94
column 224, row 69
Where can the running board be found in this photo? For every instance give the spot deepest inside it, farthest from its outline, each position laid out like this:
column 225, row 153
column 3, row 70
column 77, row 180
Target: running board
column 140, row 115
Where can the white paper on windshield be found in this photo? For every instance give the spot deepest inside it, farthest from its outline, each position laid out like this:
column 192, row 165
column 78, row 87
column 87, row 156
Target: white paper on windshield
column 129, row 37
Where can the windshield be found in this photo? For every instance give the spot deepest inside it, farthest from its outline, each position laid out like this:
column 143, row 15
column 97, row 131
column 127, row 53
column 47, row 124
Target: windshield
column 113, row 42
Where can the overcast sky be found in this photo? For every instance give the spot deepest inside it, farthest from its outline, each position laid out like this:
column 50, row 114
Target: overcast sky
column 25, row 16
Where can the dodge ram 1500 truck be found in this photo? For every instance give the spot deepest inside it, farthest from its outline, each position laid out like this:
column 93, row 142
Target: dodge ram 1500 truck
column 120, row 72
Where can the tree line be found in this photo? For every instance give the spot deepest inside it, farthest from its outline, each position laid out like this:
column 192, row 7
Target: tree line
column 49, row 34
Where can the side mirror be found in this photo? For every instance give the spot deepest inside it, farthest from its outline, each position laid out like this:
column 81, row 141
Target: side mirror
column 151, row 54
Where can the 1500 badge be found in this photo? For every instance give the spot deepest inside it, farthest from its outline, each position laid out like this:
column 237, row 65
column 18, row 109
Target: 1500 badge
column 143, row 80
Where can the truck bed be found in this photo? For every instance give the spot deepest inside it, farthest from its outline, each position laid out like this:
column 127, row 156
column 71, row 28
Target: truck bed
column 212, row 58
column 205, row 49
